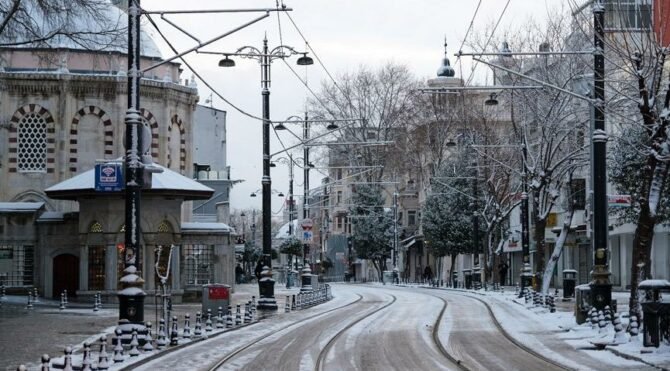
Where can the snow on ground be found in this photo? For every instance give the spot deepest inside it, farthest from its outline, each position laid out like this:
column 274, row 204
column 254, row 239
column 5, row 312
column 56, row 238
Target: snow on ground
column 515, row 317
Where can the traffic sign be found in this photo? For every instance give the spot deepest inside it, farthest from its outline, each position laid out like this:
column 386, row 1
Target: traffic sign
column 307, row 224
column 307, row 236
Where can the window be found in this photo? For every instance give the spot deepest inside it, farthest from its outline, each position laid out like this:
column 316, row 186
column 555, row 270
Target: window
column 197, row 264
column 411, row 217
column 400, row 221
column 338, row 174
column 339, row 197
column 96, row 267
column 578, row 193
column 339, row 222
column 32, row 143
column 628, row 14
column 16, row 265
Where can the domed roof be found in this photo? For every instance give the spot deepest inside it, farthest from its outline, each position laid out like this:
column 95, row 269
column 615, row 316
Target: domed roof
column 106, row 31
column 445, row 69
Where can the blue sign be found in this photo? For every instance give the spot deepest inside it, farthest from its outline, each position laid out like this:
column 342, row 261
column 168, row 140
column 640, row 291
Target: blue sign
column 109, row 177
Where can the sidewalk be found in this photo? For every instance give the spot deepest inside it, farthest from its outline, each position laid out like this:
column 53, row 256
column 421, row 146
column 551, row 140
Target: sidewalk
column 548, row 332
column 27, row 334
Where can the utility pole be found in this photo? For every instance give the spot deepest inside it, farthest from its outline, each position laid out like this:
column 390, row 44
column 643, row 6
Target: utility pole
column 526, row 271
column 476, row 269
column 601, row 287
column 131, row 302
column 395, row 237
column 305, row 171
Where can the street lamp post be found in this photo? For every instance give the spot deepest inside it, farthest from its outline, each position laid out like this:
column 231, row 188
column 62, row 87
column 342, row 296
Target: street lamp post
column 265, row 56
column 131, row 297
column 601, row 287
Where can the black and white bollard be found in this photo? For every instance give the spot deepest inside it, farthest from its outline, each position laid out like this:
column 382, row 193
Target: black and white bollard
column 86, row 359
column 219, row 318
column 287, row 306
column 619, row 334
column 118, row 347
column 593, row 318
column 134, row 343
column 30, row 301
column 45, row 363
column 186, row 333
column 103, row 357
column 293, row 307
column 208, row 323
column 238, row 316
column 66, row 302
column 35, row 296
column 229, row 317
column 198, row 325
column 174, row 333
column 247, row 317
column 552, row 304
column 633, row 328
column 602, row 324
column 67, row 365
column 148, row 347
column 608, row 314
column 253, row 307
column 161, row 341
column 62, row 301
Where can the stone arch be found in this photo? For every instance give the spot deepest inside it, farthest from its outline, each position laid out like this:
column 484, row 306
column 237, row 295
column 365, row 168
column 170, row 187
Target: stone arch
column 44, row 114
column 74, row 134
column 175, row 120
column 153, row 125
column 34, row 196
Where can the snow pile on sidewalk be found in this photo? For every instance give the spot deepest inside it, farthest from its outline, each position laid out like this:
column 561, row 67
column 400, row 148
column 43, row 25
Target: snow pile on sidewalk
column 612, row 343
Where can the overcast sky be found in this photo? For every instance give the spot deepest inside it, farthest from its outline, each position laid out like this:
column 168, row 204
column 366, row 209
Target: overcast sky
column 345, row 34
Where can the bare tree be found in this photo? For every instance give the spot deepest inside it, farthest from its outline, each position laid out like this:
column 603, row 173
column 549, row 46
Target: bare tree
column 91, row 24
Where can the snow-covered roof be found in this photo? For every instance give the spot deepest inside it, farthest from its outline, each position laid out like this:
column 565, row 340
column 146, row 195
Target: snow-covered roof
column 654, row 284
column 283, row 230
column 167, row 182
column 205, row 226
column 110, row 19
column 20, row 207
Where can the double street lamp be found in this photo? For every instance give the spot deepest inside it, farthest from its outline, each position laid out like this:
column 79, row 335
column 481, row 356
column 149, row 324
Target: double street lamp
column 265, row 56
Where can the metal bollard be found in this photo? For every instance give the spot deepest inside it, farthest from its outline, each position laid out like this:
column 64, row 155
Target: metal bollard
column 148, row 347
column 118, row 348
column 219, row 318
column 103, row 357
column 161, row 341
column 186, row 332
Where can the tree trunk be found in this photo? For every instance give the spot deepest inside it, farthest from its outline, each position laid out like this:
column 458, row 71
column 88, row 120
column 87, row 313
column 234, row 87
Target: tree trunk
column 640, row 263
column 556, row 254
column 538, row 236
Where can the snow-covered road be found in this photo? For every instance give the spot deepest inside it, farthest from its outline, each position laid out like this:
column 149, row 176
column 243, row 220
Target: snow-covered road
column 389, row 328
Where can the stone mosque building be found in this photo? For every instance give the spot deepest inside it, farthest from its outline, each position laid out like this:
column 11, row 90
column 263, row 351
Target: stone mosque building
column 63, row 110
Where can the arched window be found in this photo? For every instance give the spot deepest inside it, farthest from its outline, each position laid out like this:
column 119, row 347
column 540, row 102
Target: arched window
column 32, row 143
column 96, row 261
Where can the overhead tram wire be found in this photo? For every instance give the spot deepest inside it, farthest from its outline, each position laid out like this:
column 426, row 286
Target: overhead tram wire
column 330, row 76
column 472, row 71
column 174, row 50
column 472, row 22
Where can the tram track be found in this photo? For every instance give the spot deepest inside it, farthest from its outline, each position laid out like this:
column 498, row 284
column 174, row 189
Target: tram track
column 257, row 340
column 320, row 361
column 506, row 334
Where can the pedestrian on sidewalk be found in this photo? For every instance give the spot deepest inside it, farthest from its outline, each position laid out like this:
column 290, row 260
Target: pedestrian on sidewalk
column 502, row 272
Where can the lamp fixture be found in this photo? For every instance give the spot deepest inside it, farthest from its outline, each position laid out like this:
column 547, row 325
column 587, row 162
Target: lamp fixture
column 332, row 126
column 280, row 126
column 491, row 101
column 226, row 62
column 305, row 60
